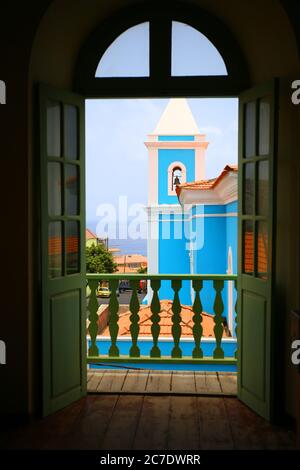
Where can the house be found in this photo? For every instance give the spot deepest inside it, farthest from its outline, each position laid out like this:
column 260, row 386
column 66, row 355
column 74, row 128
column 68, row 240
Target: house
column 130, row 263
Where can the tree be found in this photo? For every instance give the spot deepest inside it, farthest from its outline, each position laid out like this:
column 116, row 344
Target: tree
column 142, row 270
column 99, row 259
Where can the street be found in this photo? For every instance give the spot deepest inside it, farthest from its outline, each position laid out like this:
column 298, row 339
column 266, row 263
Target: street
column 123, row 299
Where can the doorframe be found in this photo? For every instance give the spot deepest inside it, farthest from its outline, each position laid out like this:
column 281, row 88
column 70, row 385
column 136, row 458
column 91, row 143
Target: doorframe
column 160, row 83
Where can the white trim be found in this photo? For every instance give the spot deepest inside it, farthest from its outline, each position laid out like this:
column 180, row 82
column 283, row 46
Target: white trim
column 174, row 144
column 225, row 214
column 155, row 210
column 172, row 166
column 224, row 193
column 152, row 176
column 152, row 249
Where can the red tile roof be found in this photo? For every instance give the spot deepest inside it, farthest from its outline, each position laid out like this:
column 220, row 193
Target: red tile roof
column 206, row 184
column 165, row 323
column 89, row 235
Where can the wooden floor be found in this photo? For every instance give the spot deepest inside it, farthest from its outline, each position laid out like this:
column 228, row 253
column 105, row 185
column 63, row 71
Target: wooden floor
column 148, row 422
column 156, row 382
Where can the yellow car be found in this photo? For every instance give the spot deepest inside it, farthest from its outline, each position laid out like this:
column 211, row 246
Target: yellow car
column 104, row 292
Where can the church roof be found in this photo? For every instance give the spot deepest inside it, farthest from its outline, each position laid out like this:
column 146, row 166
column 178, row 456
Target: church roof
column 177, row 119
column 206, row 184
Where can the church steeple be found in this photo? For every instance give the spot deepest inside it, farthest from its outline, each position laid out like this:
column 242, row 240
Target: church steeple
column 177, row 119
column 176, row 152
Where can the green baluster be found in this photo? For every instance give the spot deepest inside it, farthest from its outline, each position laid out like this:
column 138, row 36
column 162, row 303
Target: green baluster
column 93, row 317
column 134, row 307
column 218, row 328
column 113, row 318
column 155, row 318
column 176, row 319
column 236, row 320
column 197, row 319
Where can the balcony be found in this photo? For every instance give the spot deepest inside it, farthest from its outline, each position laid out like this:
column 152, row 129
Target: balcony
column 216, row 351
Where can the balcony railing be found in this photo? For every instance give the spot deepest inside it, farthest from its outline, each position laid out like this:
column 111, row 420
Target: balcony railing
column 110, row 349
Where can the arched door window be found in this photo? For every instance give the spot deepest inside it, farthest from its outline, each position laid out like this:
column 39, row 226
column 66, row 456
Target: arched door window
column 183, row 49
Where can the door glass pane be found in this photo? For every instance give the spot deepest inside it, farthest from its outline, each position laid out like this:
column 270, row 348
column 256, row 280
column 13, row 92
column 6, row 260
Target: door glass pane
column 55, row 250
column 250, row 130
column 264, row 128
column 53, row 130
column 71, row 189
column 193, row 53
column 72, row 247
column 71, row 132
column 248, row 188
column 128, row 55
column 54, row 189
column 263, row 188
column 248, row 247
column 262, row 250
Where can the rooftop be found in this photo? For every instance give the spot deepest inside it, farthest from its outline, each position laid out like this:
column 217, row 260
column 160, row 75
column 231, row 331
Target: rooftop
column 166, row 324
column 203, row 185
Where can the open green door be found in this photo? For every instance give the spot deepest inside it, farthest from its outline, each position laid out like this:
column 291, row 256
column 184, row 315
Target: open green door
column 62, row 250
column 257, row 155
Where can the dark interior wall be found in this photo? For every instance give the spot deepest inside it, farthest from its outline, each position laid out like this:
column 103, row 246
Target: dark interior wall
column 18, row 26
column 52, row 42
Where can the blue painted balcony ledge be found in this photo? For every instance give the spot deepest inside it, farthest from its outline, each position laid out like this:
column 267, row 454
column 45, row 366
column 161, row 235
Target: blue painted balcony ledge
column 175, row 352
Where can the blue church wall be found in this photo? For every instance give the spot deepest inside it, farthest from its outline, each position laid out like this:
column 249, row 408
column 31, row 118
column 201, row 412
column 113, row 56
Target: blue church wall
column 214, row 237
column 173, row 257
column 165, row 158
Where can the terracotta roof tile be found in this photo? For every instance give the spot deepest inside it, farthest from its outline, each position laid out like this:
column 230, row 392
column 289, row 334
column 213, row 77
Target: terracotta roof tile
column 206, row 184
column 89, row 235
column 165, row 323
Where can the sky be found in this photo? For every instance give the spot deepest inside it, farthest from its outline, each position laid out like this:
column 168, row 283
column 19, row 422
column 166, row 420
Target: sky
column 117, row 159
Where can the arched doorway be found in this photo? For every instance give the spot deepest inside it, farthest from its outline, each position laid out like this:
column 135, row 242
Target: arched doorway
column 160, row 82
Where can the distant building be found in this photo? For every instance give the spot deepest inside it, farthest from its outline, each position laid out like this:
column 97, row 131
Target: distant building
column 130, row 263
column 92, row 239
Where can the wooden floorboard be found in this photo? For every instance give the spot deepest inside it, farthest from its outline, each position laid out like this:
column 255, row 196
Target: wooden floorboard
column 112, row 382
column 135, row 381
column 153, row 426
column 159, row 382
column 183, row 424
column 156, row 382
column 125, row 422
column 228, row 383
column 215, row 430
column 183, row 383
column 122, row 427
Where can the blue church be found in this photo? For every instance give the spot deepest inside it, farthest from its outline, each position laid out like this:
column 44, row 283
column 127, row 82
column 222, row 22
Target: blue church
column 192, row 221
